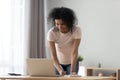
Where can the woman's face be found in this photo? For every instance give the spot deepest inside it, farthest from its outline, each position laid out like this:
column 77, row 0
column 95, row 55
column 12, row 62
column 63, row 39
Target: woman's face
column 61, row 25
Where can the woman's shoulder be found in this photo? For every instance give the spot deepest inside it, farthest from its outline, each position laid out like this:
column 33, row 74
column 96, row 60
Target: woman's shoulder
column 53, row 29
column 76, row 28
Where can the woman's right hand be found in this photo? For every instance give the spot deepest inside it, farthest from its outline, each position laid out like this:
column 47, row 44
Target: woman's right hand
column 62, row 72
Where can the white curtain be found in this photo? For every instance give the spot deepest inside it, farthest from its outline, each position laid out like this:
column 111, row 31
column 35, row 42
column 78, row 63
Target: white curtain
column 13, row 46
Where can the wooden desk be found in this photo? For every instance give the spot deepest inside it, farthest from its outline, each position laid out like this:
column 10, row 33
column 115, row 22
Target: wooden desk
column 53, row 78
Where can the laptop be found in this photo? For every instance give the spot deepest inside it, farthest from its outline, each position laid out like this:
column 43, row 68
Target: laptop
column 40, row 67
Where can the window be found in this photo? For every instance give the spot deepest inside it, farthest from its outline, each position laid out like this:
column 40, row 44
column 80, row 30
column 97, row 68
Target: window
column 11, row 36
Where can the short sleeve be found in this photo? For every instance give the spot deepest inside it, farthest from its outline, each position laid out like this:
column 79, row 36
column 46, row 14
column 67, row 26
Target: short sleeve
column 77, row 33
column 50, row 35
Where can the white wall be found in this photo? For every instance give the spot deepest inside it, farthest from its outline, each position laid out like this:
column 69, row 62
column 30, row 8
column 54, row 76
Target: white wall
column 100, row 24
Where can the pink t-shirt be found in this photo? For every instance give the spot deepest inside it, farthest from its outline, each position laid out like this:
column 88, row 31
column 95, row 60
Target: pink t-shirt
column 64, row 43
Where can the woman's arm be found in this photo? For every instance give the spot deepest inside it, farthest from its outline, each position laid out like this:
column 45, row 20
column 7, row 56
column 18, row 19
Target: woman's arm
column 54, row 57
column 74, row 55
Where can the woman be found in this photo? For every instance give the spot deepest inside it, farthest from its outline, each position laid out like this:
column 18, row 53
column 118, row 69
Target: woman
column 64, row 39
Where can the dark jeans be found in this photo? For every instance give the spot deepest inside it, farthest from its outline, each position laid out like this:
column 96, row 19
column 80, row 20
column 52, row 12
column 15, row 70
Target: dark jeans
column 67, row 68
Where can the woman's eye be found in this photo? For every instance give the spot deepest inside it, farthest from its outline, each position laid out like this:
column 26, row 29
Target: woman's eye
column 57, row 24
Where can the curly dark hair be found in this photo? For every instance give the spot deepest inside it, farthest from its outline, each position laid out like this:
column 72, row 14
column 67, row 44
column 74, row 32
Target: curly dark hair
column 66, row 14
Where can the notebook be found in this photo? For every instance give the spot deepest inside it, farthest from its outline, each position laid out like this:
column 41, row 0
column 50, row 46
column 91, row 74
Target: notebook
column 40, row 67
